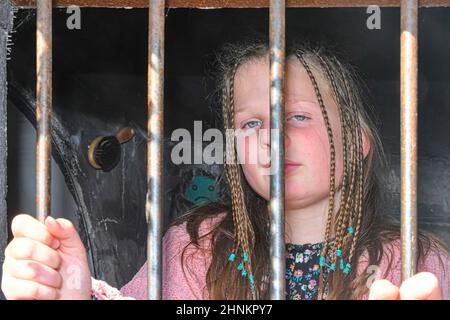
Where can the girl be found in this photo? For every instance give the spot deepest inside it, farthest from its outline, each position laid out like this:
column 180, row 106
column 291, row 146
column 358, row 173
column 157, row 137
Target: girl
column 336, row 242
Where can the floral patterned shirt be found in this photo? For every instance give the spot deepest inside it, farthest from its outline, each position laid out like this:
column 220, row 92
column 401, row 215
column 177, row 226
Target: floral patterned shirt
column 302, row 271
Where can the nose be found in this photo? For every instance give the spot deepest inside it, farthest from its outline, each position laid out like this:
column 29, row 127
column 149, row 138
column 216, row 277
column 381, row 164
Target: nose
column 287, row 140
column 265, row 138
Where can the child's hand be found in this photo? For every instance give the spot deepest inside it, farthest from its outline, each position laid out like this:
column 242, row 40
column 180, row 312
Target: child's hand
column 45, row 261
column 421, row 286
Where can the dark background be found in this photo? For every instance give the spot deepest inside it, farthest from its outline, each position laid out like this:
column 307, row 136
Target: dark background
column 100, row 79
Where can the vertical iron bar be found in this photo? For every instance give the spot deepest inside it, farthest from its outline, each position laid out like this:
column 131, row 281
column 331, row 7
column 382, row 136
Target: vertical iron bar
column 408, row 136
column 6, row 27
column 43, row 107
column 153, row 205
column 277, row 71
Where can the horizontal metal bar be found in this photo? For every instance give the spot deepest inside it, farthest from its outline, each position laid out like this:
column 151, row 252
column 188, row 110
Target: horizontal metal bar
column 231, row 3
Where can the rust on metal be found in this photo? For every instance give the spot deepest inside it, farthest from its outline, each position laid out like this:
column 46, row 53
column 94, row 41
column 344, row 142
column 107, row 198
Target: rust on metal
column 232, row 3
column 154, row 199
column 408, row 134
column 43, row 108
column 277, row 72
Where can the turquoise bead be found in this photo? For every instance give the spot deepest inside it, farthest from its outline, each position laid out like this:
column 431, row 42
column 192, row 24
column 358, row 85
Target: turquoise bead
column 252, row 280
column 350, row 230
column 240, row 267
column 347, row 268
column 322, row 261
column 232, row 257
column 332, row 266
column 338, row 252
column 245, row 257
column 244, row 273
column 341, row 266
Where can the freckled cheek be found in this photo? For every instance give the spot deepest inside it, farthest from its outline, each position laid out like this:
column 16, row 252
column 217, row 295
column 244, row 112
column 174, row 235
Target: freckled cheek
column 306, row 145
column 258, row 182
column 314, row 150
column 248, row 149
column 318, row 158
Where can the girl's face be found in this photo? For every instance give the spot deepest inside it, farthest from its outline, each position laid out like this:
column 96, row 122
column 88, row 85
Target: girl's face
column 307, row 150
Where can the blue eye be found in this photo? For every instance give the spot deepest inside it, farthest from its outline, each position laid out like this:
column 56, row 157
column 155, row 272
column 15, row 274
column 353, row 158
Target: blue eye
column 251, row 124
column 300, row 118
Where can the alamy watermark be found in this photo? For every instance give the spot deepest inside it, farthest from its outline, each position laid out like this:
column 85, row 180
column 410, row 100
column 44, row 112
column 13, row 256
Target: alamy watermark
column 73, row 22
column 191, row 150
column 374, row 20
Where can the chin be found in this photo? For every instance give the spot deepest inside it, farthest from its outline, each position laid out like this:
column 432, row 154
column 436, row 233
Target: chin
column 293, row 190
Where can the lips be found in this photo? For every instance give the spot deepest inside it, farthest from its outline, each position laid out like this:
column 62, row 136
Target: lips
column 289, row 165
column 289, row 162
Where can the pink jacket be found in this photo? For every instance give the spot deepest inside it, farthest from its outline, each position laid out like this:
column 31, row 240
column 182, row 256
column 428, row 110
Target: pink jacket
column 191, row 284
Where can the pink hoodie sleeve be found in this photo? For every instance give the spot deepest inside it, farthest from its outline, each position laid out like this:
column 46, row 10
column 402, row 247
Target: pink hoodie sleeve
column 435, row 261
column 187, row 284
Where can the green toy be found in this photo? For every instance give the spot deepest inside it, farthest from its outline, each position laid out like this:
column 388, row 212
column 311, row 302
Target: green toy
column 202, row 190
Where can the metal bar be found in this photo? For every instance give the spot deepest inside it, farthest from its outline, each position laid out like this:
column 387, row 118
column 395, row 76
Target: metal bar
column 233, row 3
column 154, row 202
column 408, row 135
column 6, row 26
column 43, row 108
column 277, row 71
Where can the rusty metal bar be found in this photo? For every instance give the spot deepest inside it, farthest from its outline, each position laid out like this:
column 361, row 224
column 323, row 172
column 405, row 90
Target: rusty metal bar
column 277, row 71
column 43, row 108
column 408, row 135
column 154, row 201
column 233, row 3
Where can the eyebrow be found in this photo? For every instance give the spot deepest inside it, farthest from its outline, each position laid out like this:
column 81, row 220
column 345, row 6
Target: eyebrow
column 243, row 108
column 300, row 100
column 306, row 103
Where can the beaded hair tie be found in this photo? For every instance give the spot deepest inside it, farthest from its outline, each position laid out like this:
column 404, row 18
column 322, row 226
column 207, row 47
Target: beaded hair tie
column 241, row 268
column 342, row 265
